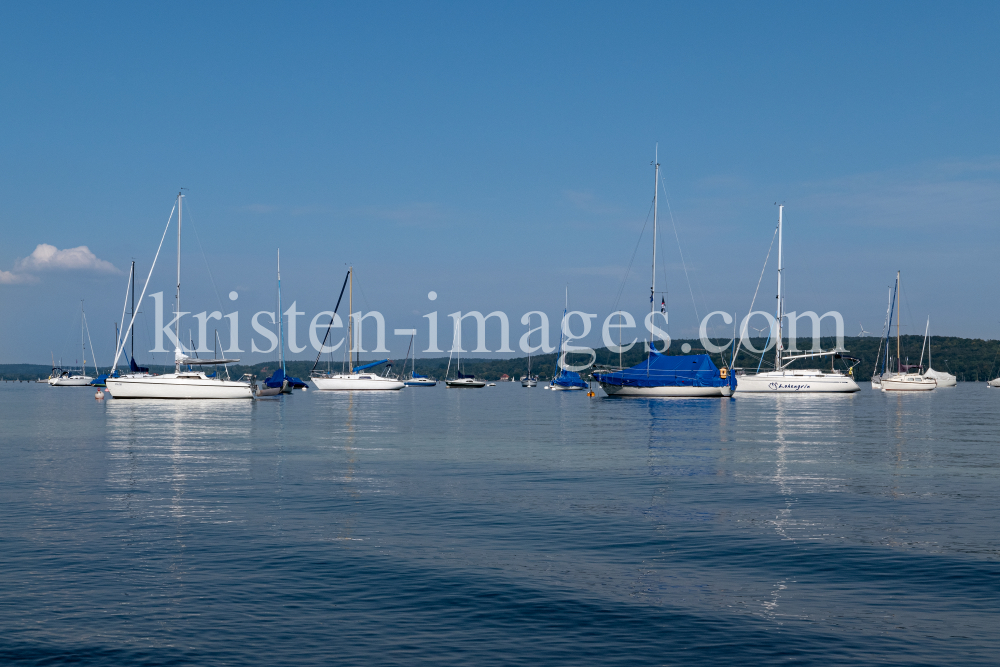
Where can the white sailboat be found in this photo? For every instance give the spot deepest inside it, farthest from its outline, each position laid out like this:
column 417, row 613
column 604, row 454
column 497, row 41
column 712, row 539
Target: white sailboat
column 884, row 338
column 461, row 380
column 357, row 379
column 70, row 378
column 902, row 380
column 943, row 379
column 181, row 384
column 529, row 380
column 783, row 380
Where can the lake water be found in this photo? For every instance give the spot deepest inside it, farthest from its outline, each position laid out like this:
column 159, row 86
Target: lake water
column 500, row 526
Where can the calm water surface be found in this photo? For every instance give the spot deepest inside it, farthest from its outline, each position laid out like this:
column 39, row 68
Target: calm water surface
column 499, row 526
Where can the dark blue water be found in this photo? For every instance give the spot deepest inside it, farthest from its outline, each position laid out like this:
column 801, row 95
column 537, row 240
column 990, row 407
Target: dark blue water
column 499, row 526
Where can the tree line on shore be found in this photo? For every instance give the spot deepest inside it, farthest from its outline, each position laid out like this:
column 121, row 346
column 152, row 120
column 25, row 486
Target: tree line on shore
column 969, row 359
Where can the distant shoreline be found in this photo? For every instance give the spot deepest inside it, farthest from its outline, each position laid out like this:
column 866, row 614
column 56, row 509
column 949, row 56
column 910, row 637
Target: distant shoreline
column 970, row 359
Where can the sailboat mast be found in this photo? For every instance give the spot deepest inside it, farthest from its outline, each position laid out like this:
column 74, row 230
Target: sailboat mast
column 350, row 323
column 83, row 345
column 177, row 324
column 656, row 188
column 281, row 321
column 898, row 363
column 778, row 344
column 926, row 331
column 559, row 358
column 133, row 309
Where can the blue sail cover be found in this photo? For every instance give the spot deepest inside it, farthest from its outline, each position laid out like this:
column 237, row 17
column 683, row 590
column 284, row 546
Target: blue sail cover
column 418, row 375
column 135, row 368
column 275, row 380
column 367, row 366
column 569, row 379
column 660, row 370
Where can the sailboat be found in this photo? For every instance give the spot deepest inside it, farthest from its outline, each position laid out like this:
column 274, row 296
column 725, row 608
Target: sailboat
column 135, row 370
column 461, row 380
column 529, row 380
column 886, row 329
column 415, row 379
column 280, row 379
column 181, row 384
column 564, row 380
column 902, row 379
column 687, row 376
column 67, row 378
column 783, row 380
column 357, row 379
column 943, row 379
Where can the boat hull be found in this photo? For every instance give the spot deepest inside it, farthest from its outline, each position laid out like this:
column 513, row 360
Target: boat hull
column 421, row 383
column 796, row 383
column 170, row 387
column 357, row 383
column 556, row 387
column 993, row 383
column 75, row 381
column 465, row 384
column 908, row 383
column 618, row 391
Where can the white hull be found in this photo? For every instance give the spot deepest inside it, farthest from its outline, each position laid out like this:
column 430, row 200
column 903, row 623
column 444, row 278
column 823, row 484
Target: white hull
column 421, row 382
column 665, row 392
column 177, row 386
column 943, row 379
column 908, row 382
column 555, row 387
column 796, row 382
column 74, row 381
column 356, row 382
column 529, row 382
column 465, row 383
column 993, row 383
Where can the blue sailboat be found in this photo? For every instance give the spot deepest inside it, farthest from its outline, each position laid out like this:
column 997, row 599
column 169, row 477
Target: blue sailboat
column 692, row 375
column 280, row 379
column 564, row 380
column 416, row 379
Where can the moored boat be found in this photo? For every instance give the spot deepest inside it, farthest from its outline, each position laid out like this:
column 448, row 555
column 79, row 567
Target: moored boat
column 356, row 379
column 182, row 383
column 687, row 376
column 565, row 380
column 67, row 378
column 903, row 379
column 783, row 380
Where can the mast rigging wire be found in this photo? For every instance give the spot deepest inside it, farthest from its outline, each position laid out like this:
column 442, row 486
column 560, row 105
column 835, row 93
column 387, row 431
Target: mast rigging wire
column 754, row 300
column 132, row 321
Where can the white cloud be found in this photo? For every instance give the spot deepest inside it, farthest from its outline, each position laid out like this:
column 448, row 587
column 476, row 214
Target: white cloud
column 48, row 257
column 9, row 278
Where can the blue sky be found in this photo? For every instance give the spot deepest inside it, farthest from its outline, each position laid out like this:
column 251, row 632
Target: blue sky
column 498, row 154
